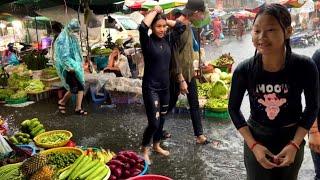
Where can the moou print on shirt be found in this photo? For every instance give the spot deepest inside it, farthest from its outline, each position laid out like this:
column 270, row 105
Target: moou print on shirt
column 271, row 97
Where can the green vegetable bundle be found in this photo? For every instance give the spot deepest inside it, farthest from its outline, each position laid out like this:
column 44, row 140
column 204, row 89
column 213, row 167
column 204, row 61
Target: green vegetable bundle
column 217, row 104
column 19, row 95
column 49, row 73
column 35, row 86
column 203, row 89
column 218, row 90
column 18, row 82
column 5, row 93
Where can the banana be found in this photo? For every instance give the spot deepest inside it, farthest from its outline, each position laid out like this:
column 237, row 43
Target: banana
column 100, row 157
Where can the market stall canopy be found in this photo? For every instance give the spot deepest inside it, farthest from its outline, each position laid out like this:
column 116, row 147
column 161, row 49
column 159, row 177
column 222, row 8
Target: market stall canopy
column 98, row 6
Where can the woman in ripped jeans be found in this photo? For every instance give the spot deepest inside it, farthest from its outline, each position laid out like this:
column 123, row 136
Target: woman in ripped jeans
column 156, row 50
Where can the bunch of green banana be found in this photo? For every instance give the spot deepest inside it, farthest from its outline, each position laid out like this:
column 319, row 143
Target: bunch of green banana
column 33, row 127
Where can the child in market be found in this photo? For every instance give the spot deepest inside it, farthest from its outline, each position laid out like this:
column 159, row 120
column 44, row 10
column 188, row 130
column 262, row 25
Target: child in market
column 156, row 50
column 274, row 134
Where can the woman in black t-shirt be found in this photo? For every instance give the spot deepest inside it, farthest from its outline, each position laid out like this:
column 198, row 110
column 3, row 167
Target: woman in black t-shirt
column 156, row 50
column 274, row 133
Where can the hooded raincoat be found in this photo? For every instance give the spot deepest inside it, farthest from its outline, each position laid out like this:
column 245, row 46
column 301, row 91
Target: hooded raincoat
column 67, row 53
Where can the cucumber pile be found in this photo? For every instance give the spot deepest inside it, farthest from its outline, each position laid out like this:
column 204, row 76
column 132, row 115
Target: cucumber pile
column 85, row 168
column 20, row 138
column 32, row 127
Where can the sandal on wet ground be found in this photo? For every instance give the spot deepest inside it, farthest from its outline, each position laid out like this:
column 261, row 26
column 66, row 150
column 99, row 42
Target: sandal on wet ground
column 62, row 108
column 81, row 112
column 205, row 142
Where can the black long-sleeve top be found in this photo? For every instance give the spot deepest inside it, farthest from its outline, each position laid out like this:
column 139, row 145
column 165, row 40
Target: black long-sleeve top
column 316, row 59
column 275, row 97
column 157, row 56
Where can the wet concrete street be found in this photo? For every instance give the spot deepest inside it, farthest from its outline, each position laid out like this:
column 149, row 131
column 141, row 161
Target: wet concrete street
column 121, row 128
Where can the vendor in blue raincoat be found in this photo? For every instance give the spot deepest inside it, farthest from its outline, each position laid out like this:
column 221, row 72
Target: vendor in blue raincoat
column 69, row 65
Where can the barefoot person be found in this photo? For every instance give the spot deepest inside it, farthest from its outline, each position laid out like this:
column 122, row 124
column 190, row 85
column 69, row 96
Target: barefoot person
column 156, row 50
column 69, row 64
column 274, row 134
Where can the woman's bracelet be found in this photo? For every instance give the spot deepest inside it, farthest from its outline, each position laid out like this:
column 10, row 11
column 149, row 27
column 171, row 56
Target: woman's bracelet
column 294, row 145
column 254, row 145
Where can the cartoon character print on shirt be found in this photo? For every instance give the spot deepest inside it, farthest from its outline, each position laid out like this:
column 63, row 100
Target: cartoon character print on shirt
column 272, row 104
column 272, row 97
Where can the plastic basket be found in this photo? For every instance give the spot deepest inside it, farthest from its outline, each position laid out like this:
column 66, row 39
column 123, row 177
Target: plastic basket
column 145, row 169
column 38, row 138
column 150, row 177
column 17, row 101
column 219, row 115
column 28, row 148
column 118, row 97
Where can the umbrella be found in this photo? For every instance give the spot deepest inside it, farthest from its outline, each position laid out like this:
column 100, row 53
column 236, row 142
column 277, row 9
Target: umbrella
column 293, row 3
column 165, row 4
column 257, row 9
column 134, row 4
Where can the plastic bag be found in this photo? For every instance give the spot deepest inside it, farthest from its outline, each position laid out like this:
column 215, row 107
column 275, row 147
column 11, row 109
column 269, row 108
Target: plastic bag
column 5, row 148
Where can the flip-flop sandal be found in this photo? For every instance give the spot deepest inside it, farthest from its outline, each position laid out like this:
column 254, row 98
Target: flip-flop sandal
column 62, row 108
column 81, row 112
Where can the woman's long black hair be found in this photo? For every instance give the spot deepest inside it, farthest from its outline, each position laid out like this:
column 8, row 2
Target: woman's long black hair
column 157, row 18
column 282, row 15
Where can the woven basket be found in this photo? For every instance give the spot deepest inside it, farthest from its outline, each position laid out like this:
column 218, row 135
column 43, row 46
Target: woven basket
column 38, row 138
column 77, row 151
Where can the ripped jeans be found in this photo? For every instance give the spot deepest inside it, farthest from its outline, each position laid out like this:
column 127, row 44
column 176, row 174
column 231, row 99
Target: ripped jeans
column 156, row 103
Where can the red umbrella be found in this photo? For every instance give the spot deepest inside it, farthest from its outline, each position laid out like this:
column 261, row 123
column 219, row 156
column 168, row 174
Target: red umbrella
column 257, row 9
column 293, row 3
column 134, row 4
